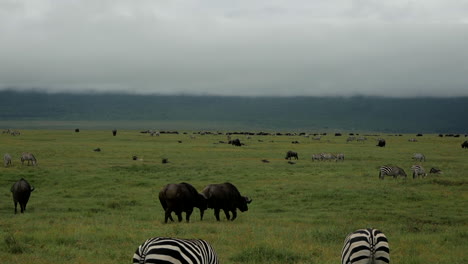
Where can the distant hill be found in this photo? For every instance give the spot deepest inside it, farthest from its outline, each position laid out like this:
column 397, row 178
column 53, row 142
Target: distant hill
column 402, row 115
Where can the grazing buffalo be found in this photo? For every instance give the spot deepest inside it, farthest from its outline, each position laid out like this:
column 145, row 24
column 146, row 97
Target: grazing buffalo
column 465, row 144
column 291, row 154
column 381, row 143
column 21, row 191
column 180, row 198
column 235, row 142
column 225, row 196
column 26, row 156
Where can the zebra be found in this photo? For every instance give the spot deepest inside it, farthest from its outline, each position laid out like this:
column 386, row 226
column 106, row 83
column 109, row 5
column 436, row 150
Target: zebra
column 361, row 139
column 349, row 139
column 327, row 156
column 339, row 157
column 175, row 250
column 316, row 157
column 418, row 170
column 391, row 171
column 29, row 157
column 419, row 157
column 7, row 160
column 366, row 246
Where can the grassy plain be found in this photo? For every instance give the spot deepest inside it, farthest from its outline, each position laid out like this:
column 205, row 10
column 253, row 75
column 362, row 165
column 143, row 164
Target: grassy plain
column 97, row 207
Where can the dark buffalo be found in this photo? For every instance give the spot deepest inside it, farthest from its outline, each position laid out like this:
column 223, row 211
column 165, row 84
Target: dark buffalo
column 291, row 154
column 225, row 196
column 114, row 132
column 21, row 191
column 381, row 143
column 235, row 142
column 180, row 198
column 464, row 144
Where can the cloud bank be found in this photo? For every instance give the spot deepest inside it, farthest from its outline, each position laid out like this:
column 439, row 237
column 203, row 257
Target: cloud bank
column 250, row 48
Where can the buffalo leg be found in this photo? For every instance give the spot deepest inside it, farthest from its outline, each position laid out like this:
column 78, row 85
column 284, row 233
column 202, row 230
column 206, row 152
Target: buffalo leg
column 234, row 214
column 16, row 204
column 226, row 212
column 216, row 212
column 168, row 216
column 179, row 216
column 187, row 215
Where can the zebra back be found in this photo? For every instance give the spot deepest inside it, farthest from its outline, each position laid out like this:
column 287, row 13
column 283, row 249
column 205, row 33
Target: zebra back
column 175, row 250
column 391, row 171
column 418, row 170
column 366, row 246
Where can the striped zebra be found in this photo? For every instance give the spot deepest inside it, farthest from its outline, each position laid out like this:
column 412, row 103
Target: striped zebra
column 26, row 156
column 418, row 170
column 340, row 157
column 174, row 250
column 391, row 171
column 366, row 246
column 7, row 160
column 419, row 157
column 327, row 156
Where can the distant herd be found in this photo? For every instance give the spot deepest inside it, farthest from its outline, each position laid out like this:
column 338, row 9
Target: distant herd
column 362, row 246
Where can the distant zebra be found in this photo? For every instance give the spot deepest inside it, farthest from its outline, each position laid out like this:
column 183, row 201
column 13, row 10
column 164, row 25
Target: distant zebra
column 419, row 157
column 412, row 140
column 361, row 139
column 26, row 156
column 327, row 156
column 316, row 157
column 349, row 139
column 418, row 170
column 175, row 250
column 391, row 171
column 7, row 160
column 340, row 157
column 366, row 246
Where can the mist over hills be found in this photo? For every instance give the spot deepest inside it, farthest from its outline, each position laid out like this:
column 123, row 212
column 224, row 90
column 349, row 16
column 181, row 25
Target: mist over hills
column 359, row 113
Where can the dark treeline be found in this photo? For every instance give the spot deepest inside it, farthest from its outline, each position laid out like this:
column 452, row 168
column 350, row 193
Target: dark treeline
column 360, row 113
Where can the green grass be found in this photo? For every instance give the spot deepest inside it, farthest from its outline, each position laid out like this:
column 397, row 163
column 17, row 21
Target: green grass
column 91, row 207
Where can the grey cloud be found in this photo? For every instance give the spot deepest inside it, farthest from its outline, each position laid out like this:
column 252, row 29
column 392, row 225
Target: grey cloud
column 235, row 48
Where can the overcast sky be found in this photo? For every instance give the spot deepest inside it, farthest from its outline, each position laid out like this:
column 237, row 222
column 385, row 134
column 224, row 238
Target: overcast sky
column 240, row 47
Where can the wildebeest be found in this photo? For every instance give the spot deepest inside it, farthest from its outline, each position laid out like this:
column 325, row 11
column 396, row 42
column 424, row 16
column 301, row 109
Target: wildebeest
column 419, row 157
column 179, row 198
column 97, row 150
column 21, row 191
column 435, row 171
column 381, row 143
column 26, row 156
column 291, row 154
column 7, row 159
column 225, row 196
column 465, row 144
column 114, row 132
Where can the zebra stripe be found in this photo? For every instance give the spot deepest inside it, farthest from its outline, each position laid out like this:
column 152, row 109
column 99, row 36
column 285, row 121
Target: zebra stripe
column 174, row 250
column 391, row 171
column 365, row 246
column 418, row 170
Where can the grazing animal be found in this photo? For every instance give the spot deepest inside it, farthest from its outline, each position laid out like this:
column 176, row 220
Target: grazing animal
column 97, row 150
column 316, row 157
column 381, row 143
column 235, row 142
column 340, row 157
column 175, row 250
column 417, row 171
column 21, row 191
column 180, row 198
column 349, row 139
column 391, row 171
column 291, row 154
column 366, row 246
column 419, row 157
column 435, row 171
column 265, row 161
column 465, row 144
column 361, row 139
column 225, row 196
column 29, row 157
column 114, row 132
column 7, row 160
column 327, row 156
column 412, row 140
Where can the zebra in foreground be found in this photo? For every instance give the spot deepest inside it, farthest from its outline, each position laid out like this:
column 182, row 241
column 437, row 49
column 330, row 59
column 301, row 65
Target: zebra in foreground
column 7, row 160
column 175, row 250
column 26, row 156
column 391, row 171
column 418, row 170
column 366, row 246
